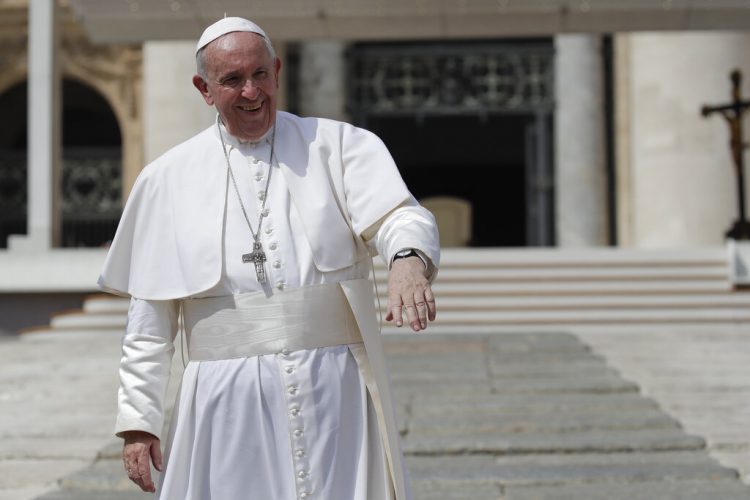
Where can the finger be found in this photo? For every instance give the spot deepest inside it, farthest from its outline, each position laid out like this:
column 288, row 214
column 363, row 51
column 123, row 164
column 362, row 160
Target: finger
column 156, row 455
column 394, row 309
column 396, row 313
column 421, row 308
column 144, row 471
column 430, row 300
column 133, row 475
column 411, row 317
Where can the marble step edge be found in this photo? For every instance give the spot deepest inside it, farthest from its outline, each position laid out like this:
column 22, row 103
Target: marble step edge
column 461, row 317
column 453, row 302
column 105, row 303
column 602, row 256
column 590, row 273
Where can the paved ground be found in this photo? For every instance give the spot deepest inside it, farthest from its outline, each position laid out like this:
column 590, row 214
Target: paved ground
column 514, row 417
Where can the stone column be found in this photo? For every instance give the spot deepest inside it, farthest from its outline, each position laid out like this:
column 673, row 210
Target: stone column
column 44, row 159
column 174, row 112
column 580, row 173
column 322, row 79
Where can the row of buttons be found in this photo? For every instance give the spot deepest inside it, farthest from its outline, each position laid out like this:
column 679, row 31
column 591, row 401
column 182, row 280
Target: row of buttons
column 294, row 400
column 260, row 177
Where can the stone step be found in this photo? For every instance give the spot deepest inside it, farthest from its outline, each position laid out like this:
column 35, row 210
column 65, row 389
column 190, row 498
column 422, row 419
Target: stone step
column 580, row 257
column 106, row 304
column 541, row 469
column 88, row 321
column 457, row 302
column 645, row 490
column 567, row 318
column 575, row 274
column 660, row 287
column 567, row 302
column 451, row 425
column 589, row 441
column 424, row 403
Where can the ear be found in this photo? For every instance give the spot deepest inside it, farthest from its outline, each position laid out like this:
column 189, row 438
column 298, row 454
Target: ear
column 277, row 69
column 202, row 87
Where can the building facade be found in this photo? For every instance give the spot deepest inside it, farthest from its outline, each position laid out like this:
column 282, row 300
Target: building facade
column 517, row 127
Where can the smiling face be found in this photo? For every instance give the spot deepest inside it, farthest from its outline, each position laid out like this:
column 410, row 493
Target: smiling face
column 241, row 79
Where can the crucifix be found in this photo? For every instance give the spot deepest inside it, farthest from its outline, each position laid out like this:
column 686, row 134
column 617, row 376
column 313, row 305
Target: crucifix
column 733, row 113
column 257, row 257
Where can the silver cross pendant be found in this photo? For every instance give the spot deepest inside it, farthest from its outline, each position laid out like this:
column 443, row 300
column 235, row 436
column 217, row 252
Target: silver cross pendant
column 257, row 257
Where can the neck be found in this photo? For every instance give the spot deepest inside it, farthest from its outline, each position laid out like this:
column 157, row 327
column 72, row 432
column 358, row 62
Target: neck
column 238, row 141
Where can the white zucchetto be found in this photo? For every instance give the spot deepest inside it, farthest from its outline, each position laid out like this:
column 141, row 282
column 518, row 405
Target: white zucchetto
column 228, row 25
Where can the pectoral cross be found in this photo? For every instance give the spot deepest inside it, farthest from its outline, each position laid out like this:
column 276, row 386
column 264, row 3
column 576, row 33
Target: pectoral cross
column 257, row 257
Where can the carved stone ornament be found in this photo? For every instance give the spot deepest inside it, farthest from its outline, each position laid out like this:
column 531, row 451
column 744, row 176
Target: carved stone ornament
column 116, row 66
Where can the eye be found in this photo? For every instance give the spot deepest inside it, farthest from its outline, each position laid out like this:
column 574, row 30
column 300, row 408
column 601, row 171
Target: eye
column 230, row 80
column 261, row 74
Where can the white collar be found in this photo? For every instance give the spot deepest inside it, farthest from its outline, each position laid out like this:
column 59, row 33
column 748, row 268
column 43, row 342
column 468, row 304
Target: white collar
column 234, row 142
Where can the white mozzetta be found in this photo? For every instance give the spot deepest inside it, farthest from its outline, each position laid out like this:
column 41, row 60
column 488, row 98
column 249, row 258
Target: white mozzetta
column 330, row 168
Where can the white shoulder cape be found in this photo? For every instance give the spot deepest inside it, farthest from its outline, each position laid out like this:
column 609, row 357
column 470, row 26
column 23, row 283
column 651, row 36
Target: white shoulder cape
column 168, row 245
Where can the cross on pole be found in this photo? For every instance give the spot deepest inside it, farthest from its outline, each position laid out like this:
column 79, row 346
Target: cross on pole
column 733, row 113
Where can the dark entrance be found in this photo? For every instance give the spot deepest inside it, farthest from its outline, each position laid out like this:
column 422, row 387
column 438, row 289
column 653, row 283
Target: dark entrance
column 470, row 158
column 91, row 170
column 466, row 120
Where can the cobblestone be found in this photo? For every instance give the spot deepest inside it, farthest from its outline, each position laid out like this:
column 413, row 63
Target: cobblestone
column 497, row 417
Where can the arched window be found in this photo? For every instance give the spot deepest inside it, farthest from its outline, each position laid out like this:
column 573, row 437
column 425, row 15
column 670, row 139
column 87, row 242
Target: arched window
column 91, row 166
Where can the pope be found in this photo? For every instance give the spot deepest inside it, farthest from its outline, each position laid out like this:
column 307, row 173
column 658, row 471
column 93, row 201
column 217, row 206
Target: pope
column 256, row 237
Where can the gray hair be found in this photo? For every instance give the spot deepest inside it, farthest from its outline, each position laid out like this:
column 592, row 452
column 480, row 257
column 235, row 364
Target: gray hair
column 200, row 58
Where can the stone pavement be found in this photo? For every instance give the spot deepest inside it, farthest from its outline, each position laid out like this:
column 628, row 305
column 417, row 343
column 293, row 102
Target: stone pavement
column 516, row 417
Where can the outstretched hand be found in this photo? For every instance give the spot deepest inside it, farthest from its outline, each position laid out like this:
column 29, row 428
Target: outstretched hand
column 139, row 450
column 409, row 292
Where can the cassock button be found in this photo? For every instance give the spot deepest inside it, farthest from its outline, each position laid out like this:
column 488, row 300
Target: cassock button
column 299, row 453
column 298, row 433
column 302, row 474
column 304, row 494
column 289, row 369
column 265, row 212
column 255, row 161
column 261, row 195
column 285, row 352
column 273, row 246
column 280, row 286
column 269, row 230
column 292, row 390
column 294, row 412
column 277, row 264
column 259, row 177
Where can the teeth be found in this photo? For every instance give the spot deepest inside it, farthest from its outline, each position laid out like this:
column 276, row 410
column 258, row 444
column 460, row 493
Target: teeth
column 249, row 108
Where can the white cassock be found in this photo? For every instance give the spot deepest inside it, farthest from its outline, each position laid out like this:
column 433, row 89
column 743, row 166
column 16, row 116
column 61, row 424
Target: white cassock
column 278, row 426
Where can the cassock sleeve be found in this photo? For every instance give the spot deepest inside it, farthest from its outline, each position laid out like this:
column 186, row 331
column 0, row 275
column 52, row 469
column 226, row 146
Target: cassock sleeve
column 408, row 226
column 147, row 349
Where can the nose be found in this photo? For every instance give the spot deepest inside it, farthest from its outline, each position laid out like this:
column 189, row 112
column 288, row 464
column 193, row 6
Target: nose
column 250, row 90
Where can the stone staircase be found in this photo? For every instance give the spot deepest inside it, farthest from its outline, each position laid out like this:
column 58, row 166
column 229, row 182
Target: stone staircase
column 495, row 290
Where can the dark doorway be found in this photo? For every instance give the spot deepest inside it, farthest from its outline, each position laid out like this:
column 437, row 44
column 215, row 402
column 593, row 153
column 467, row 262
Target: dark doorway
column 91, row 170
column 13, row 136
column 469, row 125
column 474, row 158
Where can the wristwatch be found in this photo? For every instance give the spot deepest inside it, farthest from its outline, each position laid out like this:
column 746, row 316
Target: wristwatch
column 407, row 252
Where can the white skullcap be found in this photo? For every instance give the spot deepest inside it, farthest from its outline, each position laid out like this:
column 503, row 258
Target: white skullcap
column 228, row 25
